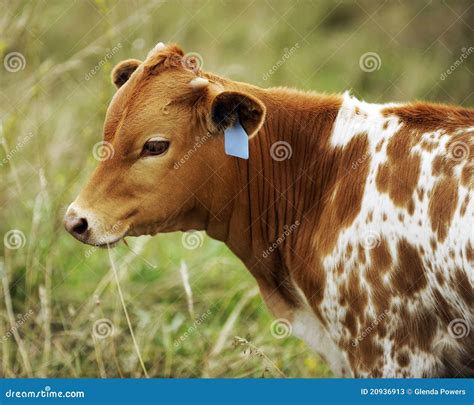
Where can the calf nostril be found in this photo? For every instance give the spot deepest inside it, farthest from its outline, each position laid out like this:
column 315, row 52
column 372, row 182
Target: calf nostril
column 79, row 225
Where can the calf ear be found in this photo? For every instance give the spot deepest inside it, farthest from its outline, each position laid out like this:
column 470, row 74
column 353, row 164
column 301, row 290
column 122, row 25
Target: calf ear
column 229, row 107
column 123, row 70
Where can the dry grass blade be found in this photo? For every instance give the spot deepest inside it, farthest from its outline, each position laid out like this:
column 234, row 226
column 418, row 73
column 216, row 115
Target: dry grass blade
column 46, row 324
column 135, row 343
column 183, row 270
column 14, row 171
column 11, row 318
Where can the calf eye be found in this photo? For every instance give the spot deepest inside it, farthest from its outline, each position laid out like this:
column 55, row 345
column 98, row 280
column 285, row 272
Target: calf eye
column 155, row 147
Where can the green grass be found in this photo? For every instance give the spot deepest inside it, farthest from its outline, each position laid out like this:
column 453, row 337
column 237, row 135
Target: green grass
column 66, row 285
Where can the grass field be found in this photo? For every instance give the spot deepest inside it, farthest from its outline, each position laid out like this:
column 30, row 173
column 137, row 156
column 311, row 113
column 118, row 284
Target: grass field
column 60, row 310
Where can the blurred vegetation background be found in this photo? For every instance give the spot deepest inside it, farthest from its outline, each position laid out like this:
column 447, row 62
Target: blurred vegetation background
column 54, row 91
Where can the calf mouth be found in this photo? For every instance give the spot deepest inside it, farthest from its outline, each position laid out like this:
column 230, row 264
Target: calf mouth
column 107, row 245
column 102, row 243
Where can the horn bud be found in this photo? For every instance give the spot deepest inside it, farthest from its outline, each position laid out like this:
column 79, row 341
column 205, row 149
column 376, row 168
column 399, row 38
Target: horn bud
column 159, row 47
column 199, row 83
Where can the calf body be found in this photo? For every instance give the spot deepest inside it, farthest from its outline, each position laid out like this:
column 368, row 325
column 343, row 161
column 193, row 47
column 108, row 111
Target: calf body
column 360, row 234
column 398, row 260
column 378, row 276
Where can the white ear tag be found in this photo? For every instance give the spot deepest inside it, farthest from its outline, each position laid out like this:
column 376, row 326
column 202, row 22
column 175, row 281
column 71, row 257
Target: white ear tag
column 236, row 141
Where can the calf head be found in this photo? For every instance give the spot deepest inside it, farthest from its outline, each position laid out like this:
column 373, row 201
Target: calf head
column 166, row 165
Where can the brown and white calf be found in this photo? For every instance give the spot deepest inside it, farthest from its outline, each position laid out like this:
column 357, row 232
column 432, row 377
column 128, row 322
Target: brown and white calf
column 377, row 273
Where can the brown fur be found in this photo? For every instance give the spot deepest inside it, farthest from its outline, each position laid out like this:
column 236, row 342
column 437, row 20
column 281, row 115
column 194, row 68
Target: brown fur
column 399, row 176
column 344, row 202
column 431, row 116
column 443, row 203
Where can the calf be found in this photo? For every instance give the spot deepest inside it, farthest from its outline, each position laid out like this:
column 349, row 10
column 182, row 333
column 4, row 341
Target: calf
column 355, row 219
